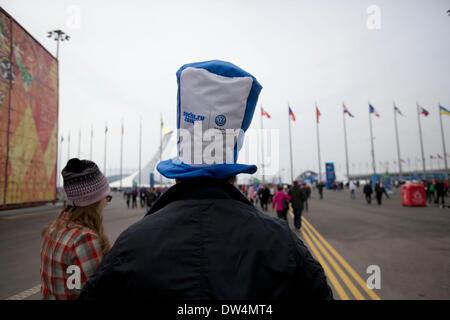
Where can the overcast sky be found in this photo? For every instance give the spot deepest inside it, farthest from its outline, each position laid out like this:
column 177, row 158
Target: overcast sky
column 121, row 60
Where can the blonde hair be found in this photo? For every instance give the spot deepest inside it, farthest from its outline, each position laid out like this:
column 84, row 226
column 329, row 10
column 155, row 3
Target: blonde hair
column 89, row 217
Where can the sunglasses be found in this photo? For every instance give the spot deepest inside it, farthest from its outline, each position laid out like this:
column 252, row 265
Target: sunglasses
column 108, row 198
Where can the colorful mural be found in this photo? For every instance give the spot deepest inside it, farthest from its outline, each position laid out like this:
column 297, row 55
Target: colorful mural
column 28, row 117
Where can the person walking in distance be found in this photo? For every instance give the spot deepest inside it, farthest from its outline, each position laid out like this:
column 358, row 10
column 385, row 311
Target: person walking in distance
column 379, row 191
column 202, row 239
column 128, row 197
column 134, row 198
column 281, row 201
column 75, row 241
column 298, row 197
column 368, row 192
column 142, row 196
column 440, row 193
column 264, row 195
column 352, row 188
column 320, row 189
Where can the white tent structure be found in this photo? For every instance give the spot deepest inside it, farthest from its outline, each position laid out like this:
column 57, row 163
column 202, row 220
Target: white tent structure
column 133, row 179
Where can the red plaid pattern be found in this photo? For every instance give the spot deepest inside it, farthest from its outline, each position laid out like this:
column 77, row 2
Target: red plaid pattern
column 78, row 246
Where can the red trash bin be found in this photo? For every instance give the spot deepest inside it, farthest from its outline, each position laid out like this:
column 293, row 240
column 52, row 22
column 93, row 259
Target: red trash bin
column 413, row 195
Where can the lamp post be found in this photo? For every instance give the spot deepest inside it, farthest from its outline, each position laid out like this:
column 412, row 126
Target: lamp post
column 58, row 35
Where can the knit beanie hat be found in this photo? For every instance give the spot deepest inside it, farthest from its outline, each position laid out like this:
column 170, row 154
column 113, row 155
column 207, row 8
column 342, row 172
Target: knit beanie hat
column 84, row 183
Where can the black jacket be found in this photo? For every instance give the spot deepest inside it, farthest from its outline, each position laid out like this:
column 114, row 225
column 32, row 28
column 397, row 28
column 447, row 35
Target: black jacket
column 298, row 197
column 204, row 240
column 367, row 189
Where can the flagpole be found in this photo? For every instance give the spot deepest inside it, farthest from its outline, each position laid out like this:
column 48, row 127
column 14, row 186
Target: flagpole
column 140, row 147
column 60, row 162
column 160, row 148
column 421, row 143
column 121, row 155
column 290, row 144
column 443, row 143
column 318, row 145
column 346, row 148
column 79, row 142
column 104, row 155
column 90, row 147
column 262, row 146
column 371, row 143
column 68, row 147
column 398, row 144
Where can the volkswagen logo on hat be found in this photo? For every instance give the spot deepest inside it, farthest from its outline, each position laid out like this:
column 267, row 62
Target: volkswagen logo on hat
column 220, row 120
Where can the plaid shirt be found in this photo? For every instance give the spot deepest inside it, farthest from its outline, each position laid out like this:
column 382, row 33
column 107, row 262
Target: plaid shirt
column 79, row 247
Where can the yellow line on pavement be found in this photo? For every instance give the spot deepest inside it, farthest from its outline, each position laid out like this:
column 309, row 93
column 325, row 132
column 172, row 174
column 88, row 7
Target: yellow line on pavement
column 334, row 282
column 336, row 267
column 349, row 269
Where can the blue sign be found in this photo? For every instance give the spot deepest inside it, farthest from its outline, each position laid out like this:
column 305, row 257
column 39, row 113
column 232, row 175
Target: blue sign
column 331, row 175
column 152, row 179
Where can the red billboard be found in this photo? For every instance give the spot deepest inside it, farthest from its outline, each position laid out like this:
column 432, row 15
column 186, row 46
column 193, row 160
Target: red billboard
column 28, row 117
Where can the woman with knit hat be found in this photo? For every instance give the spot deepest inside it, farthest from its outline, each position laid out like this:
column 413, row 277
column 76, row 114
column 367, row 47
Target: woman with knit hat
column 74, row 244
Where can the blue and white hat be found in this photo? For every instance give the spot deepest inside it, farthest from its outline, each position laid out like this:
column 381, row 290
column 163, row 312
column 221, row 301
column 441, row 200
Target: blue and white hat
column 215, row 106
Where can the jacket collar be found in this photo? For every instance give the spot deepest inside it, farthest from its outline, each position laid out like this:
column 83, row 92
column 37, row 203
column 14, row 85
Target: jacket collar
column 199, row 189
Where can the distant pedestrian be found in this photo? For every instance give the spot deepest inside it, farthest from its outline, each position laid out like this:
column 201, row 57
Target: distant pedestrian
column 142, row 195
column 151, row 198
column 264, row 195
column 429, row 189
column 272, row 193
column 307, row 189
column 134, row 198
column 281, row 200
column 368, row 192
column 440, row 193
column 298, row 198
column 128, row 197
column 352, row 188
column 379, row 191
column 320, row 189
column 75, row 242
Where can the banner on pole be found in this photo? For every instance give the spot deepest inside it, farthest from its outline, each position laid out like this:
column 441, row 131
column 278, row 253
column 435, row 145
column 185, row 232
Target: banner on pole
column 152, row 179
column 331, row 175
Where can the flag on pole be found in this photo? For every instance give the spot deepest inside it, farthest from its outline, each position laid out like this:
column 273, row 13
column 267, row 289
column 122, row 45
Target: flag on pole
column 372, row 110
column 62, row 139
column 431, row 157
column 444, row 110
column 424, row 112
column 318, row 114
column 106, row 128
column 291, row 114
column 440, row 157
column 162, row 123
column 402, row 161
column 347, row 111
column 264, row 113
column 398, row 110
column 92, row 131
column 122, row 129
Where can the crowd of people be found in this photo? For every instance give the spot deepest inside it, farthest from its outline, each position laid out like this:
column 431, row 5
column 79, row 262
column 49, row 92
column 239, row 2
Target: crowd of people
column 282, row 197
column 147, row 196
column 436, row 191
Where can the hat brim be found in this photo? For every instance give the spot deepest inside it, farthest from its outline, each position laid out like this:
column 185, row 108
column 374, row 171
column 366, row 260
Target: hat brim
column 175, row 169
